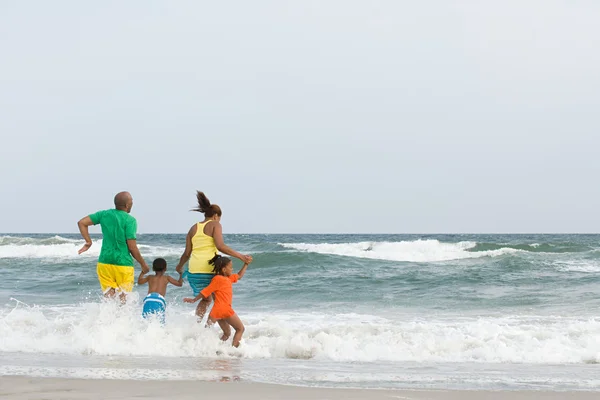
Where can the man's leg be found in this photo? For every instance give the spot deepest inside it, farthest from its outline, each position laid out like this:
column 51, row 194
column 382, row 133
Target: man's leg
column 123, row 297
column 107, row 280
column 124, row 277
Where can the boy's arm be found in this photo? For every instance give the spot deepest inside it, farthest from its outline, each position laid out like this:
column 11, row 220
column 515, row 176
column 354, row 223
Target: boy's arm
column 143, row 279
column 242, row 271
column 172, row 280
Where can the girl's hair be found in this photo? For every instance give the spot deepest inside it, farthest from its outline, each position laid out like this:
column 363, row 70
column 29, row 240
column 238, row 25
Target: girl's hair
column 205, row 207
column 219, row 262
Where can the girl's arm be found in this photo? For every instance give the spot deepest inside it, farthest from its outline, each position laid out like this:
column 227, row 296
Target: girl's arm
column 243, row 270
column 210, row 289
column 193, row 300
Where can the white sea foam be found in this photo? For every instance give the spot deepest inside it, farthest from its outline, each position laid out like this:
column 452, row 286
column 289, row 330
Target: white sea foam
column 414, row 251
column 108, row 329
column 591, row 266
column 116, row 373
column 62, row 248
column 22, row 240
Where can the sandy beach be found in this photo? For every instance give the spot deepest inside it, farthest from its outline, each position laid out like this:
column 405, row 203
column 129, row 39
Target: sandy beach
column 21, row 388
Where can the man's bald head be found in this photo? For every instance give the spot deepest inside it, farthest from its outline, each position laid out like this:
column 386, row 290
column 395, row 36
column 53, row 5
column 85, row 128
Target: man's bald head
column 123, row 201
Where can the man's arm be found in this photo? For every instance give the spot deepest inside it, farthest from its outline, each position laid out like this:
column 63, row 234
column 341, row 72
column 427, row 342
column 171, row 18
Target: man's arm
column 143, row 279
column 83, row 225
column 135, row 252
column 223, row 248
column 172, row 280
column 188, row 249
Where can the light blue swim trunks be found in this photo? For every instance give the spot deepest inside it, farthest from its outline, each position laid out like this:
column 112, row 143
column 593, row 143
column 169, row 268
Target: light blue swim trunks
column 154, row 304
column 198, row 281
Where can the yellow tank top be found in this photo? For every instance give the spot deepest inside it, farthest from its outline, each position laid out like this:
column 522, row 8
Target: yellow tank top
column 203, row 249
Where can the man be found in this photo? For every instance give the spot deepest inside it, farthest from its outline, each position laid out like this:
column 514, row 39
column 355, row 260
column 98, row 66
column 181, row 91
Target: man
column 115, row 264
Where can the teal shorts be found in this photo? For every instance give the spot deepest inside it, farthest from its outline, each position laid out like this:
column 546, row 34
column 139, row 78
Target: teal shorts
column 154, row 304
column 198, row 281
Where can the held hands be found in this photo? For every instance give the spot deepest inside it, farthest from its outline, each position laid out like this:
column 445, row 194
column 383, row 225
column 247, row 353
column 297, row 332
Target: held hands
column 246, row 258
column 145, row 268
column 85, row 247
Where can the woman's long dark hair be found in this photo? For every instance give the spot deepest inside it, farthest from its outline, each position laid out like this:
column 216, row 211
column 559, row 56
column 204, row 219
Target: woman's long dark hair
column 219, row 263
column 205, row 207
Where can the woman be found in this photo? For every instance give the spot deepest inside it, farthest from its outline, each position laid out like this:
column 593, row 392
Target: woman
column 201, row 244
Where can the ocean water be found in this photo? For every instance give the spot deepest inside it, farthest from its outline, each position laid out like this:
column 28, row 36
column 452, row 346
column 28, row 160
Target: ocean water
column 369, row 311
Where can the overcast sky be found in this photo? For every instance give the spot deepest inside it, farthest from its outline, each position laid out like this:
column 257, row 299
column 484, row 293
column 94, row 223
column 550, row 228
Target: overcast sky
column 303, row 116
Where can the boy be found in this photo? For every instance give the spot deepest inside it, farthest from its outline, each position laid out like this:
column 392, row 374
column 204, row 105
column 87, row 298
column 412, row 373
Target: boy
column 155, row 303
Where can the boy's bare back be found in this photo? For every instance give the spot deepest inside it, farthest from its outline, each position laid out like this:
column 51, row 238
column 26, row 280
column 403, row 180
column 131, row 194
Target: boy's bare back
column 158, row 283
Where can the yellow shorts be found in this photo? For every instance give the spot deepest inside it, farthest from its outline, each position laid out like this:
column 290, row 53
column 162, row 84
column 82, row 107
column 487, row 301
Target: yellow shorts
column 116, row 277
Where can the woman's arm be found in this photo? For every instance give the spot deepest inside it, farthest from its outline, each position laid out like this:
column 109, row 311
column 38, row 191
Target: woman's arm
column 188, row 249
column 217, row 235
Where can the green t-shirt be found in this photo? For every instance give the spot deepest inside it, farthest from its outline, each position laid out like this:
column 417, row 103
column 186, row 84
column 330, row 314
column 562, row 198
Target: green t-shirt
column 117, row 227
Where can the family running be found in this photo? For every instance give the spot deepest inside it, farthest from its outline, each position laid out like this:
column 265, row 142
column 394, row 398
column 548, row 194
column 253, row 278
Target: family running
column 209, row 274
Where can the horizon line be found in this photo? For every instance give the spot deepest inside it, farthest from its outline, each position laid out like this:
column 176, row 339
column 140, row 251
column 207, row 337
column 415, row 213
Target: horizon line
column 326, row 233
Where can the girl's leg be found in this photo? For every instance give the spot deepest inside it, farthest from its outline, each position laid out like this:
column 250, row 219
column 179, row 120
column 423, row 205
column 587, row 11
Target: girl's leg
column 236, row 323
column 210, row 322
column 226, row 329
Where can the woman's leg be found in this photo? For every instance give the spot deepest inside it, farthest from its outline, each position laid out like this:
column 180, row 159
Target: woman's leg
column 202, row 306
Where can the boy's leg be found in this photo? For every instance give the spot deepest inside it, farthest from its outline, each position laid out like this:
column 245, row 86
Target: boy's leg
column 236, row 323
column 226, row 329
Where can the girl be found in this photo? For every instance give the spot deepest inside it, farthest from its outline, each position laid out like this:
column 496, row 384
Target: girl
column 221, row 286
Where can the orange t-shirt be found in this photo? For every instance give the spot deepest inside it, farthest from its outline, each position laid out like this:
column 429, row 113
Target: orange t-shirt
column 221, row 286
